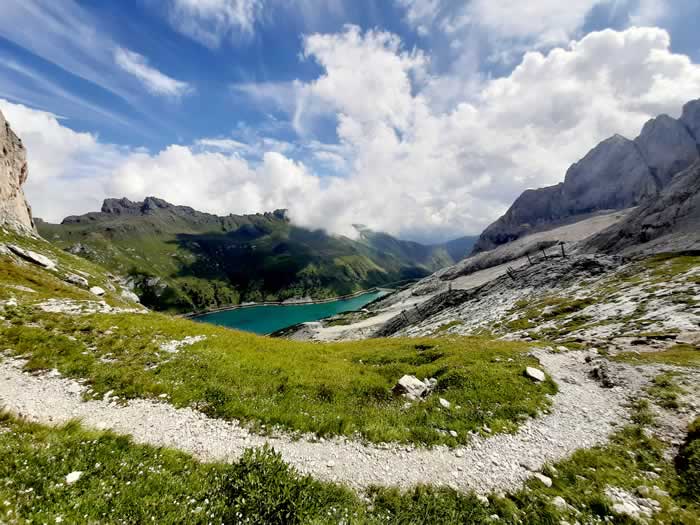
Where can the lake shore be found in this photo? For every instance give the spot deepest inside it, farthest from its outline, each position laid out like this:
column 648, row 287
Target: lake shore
column 288, row 302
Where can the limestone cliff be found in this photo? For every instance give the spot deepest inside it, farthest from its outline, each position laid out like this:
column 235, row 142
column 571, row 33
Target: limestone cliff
column 618, row 173
column 668, row 223
column 14, row 209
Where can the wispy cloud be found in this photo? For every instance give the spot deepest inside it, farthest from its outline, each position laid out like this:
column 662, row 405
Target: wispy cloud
column 40, row 91
column 155, row 82
column 211, row 21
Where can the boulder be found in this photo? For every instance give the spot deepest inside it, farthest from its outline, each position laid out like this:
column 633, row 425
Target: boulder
column 601, row 373
column 535, row 373
column 411, row 388
column 560, row 503
column 130, row 296
column 444, row 403
column 32, row 257
column 97, row 291
column 77, row 280
column 545, row 480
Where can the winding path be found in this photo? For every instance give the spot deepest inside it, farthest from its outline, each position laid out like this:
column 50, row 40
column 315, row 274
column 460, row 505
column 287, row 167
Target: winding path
column 582, row 415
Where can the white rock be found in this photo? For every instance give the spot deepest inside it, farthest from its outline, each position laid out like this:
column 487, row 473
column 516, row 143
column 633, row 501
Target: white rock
column 560, row 503
column 33, row 257
column 453, row 433
column 73, row 477
column 547, row 482
column 535, row 373
column 445, row 403
column 76, row 280
column 97, row 291
column 411, row 387
column 130, row 296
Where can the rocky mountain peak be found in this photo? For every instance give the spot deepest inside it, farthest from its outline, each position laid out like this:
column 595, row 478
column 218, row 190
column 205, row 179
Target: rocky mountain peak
column 691, row 118
column 667, row 147
column 618, row 173
column 14, row 209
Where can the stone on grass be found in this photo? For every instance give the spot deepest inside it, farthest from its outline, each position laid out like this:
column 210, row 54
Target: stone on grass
column 546, row 481
column 411, row 388
column 130, row 296
column 77, row 280
column 97, row 291
column 560, row 503
column 73, row 477
column 32, row 257
column 535, row 373
column 453, row 433
column 445, row 403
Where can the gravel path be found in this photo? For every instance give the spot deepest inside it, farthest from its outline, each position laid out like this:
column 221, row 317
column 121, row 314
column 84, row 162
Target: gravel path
column 583, row 414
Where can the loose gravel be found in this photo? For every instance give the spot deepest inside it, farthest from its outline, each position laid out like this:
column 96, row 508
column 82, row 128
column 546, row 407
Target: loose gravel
column 582, row 415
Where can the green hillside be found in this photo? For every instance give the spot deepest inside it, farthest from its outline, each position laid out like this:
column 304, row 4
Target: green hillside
column 178, row 259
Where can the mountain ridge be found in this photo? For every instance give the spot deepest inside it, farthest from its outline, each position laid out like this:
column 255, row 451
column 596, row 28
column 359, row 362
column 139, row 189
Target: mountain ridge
column 181, row 259
column 642, row 168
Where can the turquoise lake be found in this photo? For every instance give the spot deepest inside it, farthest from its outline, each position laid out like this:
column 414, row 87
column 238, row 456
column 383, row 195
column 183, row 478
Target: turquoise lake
column 268, row 319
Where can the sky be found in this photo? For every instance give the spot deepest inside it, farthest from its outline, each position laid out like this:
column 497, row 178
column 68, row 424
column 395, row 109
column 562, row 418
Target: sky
column 421, row 118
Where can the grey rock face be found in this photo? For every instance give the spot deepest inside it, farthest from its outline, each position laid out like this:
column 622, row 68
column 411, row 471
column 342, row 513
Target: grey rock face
column 613, row 175
column 691, row 118
column 670, row 222
column 667, row 147
column 14, row 209
column 618, row 173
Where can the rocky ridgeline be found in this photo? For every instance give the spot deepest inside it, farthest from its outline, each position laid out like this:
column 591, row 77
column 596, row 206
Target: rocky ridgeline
column 668, row 223
column 14, row 209
column 618, row 173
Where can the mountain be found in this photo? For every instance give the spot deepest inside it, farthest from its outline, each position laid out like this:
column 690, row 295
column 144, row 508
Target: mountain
column 618, row 173
column 181, row 259
column 14, row 209
column 667, row 223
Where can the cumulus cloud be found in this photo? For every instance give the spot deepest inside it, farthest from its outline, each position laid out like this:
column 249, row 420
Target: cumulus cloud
column 403, row 162
column 547, row 21
column 155, row 82
column 68, row 171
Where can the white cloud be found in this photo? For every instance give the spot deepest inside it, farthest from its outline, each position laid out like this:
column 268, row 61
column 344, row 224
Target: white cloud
column 211, row 21
column 547, row 21
column 68, row 171
column 154, row 81
column 417, row 170
column 403, row 163
column 224, row 145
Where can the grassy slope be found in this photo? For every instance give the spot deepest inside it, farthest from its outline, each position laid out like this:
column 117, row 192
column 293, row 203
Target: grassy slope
column 126, row 483
column 211, row 261
column 123, row 482
column 273, row 382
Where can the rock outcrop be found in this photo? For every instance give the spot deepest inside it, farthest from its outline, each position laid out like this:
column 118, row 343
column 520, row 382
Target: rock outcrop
column 618, row 173
column 14, row 209
column 669, row 222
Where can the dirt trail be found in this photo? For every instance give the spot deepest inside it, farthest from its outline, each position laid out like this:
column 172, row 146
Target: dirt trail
column 582, row 415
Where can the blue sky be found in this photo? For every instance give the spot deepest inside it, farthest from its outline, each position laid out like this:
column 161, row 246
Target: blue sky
column 423, row 118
